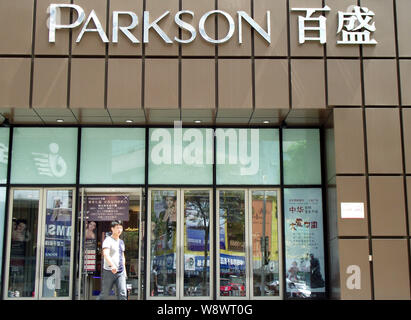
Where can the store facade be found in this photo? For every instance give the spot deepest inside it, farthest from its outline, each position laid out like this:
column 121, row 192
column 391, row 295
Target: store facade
column 252, row 149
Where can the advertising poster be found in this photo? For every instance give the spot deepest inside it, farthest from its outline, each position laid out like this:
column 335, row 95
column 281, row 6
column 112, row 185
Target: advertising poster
column 57, row 243
column 304, row 242
column 58, row 227
column 90, row 247
column 107, row 208
column 164, row 221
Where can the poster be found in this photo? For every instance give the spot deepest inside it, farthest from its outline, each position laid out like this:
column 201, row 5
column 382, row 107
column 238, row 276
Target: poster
column 57, row 243
column 58, row 225
column 304, row 241
column 107, row 208
column 90, row 247
column 164, row 221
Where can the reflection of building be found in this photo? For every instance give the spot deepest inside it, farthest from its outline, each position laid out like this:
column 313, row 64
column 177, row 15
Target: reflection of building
column 330, row 119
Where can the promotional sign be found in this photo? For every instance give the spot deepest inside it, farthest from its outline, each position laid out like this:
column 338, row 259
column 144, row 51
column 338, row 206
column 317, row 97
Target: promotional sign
column 107, row 208
column 304, row 241
column 90, row 247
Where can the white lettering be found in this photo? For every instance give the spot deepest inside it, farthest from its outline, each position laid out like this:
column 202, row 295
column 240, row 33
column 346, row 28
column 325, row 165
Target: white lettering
column 354, row 280
column 265, row 34
column 125, row 30
column 185, row 26
column 230, row 23
column 55, row 16
column 98, row 28
column 54, row 9
column 154, row 25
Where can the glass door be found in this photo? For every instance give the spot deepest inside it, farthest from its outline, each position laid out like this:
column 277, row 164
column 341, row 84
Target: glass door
column 197, row 244
column 98, row 207
column 22, row 245
column 39, row 245
column 179, row 244
column 232, row 253
column 249, row 250
column 162, row 243
column 265, row 225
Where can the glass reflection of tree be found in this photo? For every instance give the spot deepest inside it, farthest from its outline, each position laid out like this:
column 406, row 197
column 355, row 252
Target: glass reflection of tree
column 295, row 161
column 198, row 207
column 232, row 213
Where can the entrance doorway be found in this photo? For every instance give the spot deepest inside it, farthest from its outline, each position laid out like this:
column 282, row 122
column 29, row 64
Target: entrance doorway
column 98, row 207
column 249, row 250
column 39, row 254
column 179, row 244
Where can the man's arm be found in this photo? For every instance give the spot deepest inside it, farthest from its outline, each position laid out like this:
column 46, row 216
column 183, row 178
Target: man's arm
column 107, row 257
column 124, row 264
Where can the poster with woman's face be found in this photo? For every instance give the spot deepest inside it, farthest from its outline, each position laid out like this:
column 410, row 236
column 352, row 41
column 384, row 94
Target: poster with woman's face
column 163, row 219
column 91, row 230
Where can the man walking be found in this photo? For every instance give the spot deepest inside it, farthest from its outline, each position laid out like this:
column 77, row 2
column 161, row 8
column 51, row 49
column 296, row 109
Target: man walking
column 114, row 268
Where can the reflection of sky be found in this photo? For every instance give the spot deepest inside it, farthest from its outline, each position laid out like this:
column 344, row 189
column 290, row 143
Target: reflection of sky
column 194, row 218
column 26, row 194
column 53, row 195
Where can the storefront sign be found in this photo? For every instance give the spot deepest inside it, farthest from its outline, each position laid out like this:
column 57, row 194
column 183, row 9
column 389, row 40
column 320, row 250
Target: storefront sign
column 107, row 208
column 354, row 25
column 352, row 210
column 150, row 23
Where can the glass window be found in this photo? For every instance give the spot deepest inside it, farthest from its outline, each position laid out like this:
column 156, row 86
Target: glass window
column 304, row 243
column 2, row 221
column 44, row 155
column 23, row 246
column 301, row 156
column 57, row 243
column 163, row 246
column 112, row 155
column 197, row 243
column 248, row 156
column 181, row 156
column 232, row 238
column 265, row 262
column 4, row 153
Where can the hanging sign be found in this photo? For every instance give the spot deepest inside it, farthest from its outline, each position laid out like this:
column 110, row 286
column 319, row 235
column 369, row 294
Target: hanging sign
column 107, row 208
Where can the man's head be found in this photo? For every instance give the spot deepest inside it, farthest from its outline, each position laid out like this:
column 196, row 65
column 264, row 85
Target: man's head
column 116, row 228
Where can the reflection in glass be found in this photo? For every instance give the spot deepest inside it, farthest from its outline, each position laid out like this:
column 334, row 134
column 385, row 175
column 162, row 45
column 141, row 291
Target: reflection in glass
column 22, row 270
column 57, row 243
column 112, row 155
column 4, row 153
column 265, row 244
column 131, row 240
column 247, row 156
column 232, row 243
column 301, row 156
column 197, row 243
column 163, row 243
